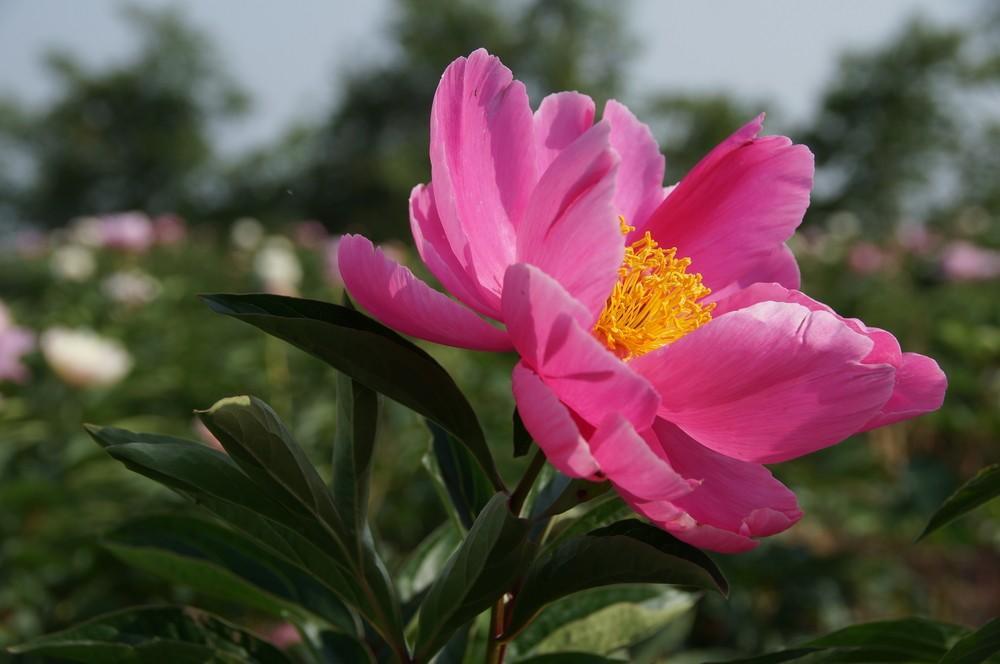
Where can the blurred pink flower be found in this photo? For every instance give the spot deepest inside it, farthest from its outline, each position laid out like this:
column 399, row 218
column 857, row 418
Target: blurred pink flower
column 673, row 384
column 964, row 261
column 309, row 234
column 15, row 343
column 284, row 635
column 865, row 258
column 127, row 231
column 916, row 238
column 169, row 229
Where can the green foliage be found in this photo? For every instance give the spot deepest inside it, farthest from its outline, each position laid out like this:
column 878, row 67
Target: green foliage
column 182, row 635
column 981, row 489
column 370, row 353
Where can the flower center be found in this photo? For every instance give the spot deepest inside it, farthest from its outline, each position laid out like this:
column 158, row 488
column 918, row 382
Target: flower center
column 654, row 302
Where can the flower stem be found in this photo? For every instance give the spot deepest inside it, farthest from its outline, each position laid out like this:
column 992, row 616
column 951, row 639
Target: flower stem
column 520, row 493
column 495, row 648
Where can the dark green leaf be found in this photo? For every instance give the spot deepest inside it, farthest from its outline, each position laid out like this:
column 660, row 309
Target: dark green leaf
column 982, row 488
column 155, row 634
column 563, row 493
column 370, row 353
column 423, row 565
column 259, row 443
column 624, row 552
column 341, row 649
column 568, row 658
column 904, row 640
column 467, row 486
column 522, row 439
column 219, row 562
column 493, row 555
column 604, row 513
column 214, row 480
column 975, row 647
column 353, row 445
column 605, row 619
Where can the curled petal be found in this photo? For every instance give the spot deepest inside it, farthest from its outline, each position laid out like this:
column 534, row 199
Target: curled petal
column 551, row 425
column 391, row 293
column 561, row 118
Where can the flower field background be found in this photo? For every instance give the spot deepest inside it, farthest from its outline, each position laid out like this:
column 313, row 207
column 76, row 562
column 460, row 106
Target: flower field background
column 124, row 221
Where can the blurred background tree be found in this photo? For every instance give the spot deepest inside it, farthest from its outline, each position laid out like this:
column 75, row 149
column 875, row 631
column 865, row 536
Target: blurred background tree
column 135, row 135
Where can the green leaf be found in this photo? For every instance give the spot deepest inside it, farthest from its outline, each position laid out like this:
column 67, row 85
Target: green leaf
column 568, row 658
column 340, row 649
column 222, row 563
column 604, row 513
column 370, row 353
column 254, row 436
column 353, row 446
column 563, row 493
column 212, row 479
column 624, row 552
column 493, row 555
column 467, row 486
column 423, row 565
column 975, row 647
column 259, row 443
column 640, row 609
column 904, row 640
column 155, row 634
column 612, row 619
column 982, row 488
column 522, row 439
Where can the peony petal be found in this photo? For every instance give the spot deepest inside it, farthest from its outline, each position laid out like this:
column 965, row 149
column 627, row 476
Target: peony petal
column 779, row 267
column 437, row 254
column 551, row 425
column 640, row 177
column 545, row 325
column 769, row 383
column 737, row 206
column 920, row 388
column 391, row 293
column 919, row 384
column 482, row 163
column 570, row 230
column 561, row 118
column 632, row 466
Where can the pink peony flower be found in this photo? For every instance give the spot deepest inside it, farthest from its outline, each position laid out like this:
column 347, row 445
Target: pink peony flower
column 865, row 258
column 964, row 261
column 663, row 346
column 127, row 231
column 169, row 229
column 15, row 343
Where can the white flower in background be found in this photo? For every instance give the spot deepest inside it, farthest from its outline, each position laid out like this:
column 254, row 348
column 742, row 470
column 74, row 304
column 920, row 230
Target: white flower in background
column 15, row 343
column 277, row 266
column 73, row 263
column 83, row 358
column 132, row 287
column 246, row 234
column 86, row 231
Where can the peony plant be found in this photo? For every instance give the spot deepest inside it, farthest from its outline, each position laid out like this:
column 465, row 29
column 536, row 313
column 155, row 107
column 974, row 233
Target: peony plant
column 663, row 351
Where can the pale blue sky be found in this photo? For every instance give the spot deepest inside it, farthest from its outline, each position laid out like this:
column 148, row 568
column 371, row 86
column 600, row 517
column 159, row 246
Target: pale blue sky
column 285, row 51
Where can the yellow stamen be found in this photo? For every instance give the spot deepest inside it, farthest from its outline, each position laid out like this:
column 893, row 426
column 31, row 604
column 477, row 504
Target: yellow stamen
column 654, row 302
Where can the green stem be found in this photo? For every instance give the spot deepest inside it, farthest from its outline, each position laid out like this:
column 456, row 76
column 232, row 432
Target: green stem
column 523, row 487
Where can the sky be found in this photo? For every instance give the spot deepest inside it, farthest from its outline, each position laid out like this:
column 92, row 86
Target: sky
column 285, row 53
